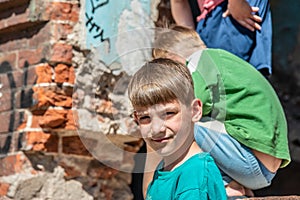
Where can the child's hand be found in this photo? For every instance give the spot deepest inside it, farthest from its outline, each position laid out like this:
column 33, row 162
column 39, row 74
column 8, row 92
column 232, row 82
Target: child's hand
column 243, row 13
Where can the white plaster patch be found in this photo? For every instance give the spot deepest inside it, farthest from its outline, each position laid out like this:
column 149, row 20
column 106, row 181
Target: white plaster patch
column 135, row 37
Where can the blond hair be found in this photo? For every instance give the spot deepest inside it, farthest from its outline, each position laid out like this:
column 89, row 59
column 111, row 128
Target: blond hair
column 178, row 40
column 161, row 81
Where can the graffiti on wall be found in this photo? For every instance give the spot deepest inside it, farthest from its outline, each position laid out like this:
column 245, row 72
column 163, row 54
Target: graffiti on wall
column 94, row 28
column 107, row 19
column 15, row 116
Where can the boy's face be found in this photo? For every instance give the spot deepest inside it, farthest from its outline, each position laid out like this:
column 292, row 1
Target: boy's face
column 166, row 127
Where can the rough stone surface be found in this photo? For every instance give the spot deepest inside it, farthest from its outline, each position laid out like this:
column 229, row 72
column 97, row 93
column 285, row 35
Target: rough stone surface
column 46, row 186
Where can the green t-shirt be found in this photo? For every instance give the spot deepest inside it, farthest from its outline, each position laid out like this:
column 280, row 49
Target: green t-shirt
column 197, row 178
column 234, row 92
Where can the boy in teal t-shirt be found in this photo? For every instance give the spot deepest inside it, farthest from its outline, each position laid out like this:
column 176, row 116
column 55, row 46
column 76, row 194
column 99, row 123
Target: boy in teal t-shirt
column 243, row 125
column 165, row 109
column 188, row 182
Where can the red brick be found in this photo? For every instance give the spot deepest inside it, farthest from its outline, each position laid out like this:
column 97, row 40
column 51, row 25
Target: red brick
column 30, row 57
column 43, row 98
column 6, row 100
column 74, row 145
column 2, row 22
column 21, row 16
column 46, row 96
column 4, row 82
column 13, row 44
column 4, row 122
column 31, row 76
column 71, row 121
column 62, row 53
column 13, row 164
column 8, row 7
column 42, row 103
column 11, row 80
column 100, row 171
column 61, row 31
column 72, row 75
column 8, row 61
column 41, row 38
column 28, row 35
column 13, row 92
column 61, row 73
column 40, row 141
column 64, row 101
column 52, row 144
column 44, row 73
column 53, row 119
column 18, row 79
column 63, row 11
column 35, row 121
column 4, row 189
column 9, row 121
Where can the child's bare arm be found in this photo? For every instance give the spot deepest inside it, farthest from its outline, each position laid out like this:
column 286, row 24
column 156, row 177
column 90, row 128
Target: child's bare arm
column 243, row 13
column 182, row 13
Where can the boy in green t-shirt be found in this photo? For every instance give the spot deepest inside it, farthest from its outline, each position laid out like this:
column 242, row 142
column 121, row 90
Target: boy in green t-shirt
column 243, row 125
column 165, row 108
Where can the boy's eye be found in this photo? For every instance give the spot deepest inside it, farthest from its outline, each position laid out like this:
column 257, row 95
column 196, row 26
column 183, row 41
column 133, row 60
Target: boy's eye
column 169, row 114
column 144, row 119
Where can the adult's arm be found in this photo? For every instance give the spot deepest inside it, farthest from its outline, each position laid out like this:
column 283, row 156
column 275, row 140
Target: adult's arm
column 182, row 13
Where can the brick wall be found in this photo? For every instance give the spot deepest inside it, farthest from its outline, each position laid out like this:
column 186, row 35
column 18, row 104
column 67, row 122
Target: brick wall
column 38, row 131
column 40, row 138
column 35, row 61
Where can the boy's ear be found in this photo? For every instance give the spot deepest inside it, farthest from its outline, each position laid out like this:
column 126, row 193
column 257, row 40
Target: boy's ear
column 196, row 110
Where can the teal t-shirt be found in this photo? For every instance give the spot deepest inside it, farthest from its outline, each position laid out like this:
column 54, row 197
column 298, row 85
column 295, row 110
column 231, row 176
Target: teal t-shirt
column 234, row 92
column 197, row 178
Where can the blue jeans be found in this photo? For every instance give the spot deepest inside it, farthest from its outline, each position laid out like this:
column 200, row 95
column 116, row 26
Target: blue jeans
column 235, row 160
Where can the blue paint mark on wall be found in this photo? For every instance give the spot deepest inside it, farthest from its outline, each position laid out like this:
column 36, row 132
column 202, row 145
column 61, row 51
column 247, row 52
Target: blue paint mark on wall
column 102, row 20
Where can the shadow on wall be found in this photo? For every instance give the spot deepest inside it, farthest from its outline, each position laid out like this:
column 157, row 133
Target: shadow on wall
column 286, row 21
column 286, row 45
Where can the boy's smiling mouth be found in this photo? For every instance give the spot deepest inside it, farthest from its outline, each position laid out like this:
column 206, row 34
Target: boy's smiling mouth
column 163, row 139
